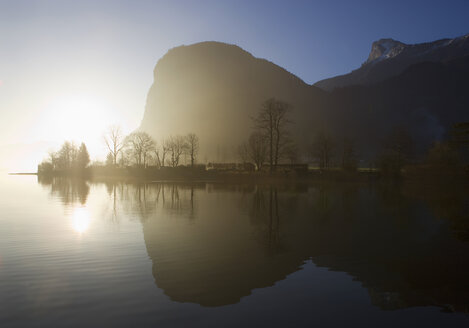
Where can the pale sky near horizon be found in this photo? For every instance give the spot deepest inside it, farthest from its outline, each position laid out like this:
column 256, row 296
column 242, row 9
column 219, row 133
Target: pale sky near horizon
column 68, row 69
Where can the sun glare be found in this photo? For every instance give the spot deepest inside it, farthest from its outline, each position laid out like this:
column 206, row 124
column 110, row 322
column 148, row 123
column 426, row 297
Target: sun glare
column 81, row 219
column 79, row 118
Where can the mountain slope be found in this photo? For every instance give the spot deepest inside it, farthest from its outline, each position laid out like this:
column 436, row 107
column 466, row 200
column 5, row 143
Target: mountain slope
column 427, row 98
column 390, row 58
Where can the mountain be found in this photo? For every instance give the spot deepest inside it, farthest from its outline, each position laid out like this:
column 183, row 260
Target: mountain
column 427, row 99
column 389, row 58
column 214, row 89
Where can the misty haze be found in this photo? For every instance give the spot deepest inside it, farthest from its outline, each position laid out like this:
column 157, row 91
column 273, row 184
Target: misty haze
column 234, row 164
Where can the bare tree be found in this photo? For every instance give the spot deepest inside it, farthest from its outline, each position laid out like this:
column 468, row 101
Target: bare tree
column 147, row 146
column 124, row 159
column 177, row 146
column 161, row 152
column 272, row 120
column 141, row 145
column 156, row 153
column 109, row 159
column 165, row 145
column 321, row 150
column 192, row 147
column 115, row 141
column 53, row 159
column 257, row 149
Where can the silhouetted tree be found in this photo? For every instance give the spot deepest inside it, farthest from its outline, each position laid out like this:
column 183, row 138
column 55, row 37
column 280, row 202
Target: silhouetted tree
column 147, row 146
column 83, row 157
column 140, row 146
column 123, row 160
column 157, row 158
column 322, row 150
column 272, row 121
column 53, row 159
column 115, row 141
column 177, row 146
column 257, row 149
column 192, row 147
column 66, row 156
column 45, row 168
column 109, row 159
column 160, row 153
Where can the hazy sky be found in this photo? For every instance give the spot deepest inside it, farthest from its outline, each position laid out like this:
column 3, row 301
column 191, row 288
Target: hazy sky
column 70, row 68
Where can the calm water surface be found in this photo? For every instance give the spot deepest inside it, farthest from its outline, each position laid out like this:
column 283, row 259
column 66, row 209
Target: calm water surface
column 81, row 254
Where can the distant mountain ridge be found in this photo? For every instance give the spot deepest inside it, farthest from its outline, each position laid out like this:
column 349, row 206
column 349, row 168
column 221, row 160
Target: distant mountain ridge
column 389, row 58
column 427, row 99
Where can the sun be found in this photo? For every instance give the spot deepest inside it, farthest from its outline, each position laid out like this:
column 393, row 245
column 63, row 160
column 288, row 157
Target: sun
column 81, row 219
column 79, row 118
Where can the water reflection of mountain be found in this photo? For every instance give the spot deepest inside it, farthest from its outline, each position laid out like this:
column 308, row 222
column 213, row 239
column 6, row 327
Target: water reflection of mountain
column 254, row 237
column 216, row 258
column 403, row 254
column 214, row 244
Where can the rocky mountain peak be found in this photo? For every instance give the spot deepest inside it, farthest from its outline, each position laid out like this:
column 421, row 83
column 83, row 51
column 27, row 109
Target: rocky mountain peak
column 385, row 48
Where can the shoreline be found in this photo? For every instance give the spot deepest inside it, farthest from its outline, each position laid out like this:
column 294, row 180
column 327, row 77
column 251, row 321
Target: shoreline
column 22, row 173
column 187, row 175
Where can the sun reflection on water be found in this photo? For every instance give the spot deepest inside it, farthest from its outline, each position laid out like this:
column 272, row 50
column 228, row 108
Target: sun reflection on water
column 81, row 219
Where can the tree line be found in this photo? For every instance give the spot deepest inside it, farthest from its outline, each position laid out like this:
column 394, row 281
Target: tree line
column 69, row 157
column 140, row 149
column 269, row 145
column 271, row 142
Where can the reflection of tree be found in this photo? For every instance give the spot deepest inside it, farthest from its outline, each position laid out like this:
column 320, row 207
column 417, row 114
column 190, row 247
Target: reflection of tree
column 175, row 200
column 384, row 238
column 143, row 200
column 233, row 246
column 392, row 244
column 323, row 201
column 274, row 220
column 68, row 190
column 264, row 214
column 380, row 235
column 398, row 241
column 115, row 191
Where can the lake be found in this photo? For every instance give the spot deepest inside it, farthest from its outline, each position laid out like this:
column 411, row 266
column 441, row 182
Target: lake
column 93, row 254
